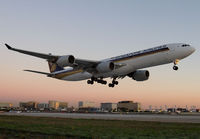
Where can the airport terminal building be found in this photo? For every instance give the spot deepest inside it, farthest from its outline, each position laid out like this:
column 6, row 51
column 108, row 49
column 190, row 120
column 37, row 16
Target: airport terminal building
column 5, row 105
column 30, row 105
column 128, row 106
column 86, row 104
column 109, row 107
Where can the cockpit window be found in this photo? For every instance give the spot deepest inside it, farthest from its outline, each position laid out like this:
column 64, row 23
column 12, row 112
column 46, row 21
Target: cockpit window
column 185, row 45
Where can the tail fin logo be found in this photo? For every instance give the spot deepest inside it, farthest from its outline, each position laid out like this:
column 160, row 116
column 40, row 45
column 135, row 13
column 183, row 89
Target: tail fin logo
column 54, row 67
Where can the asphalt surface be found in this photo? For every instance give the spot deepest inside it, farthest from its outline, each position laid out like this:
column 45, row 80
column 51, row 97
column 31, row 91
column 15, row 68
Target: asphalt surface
column 136, row 117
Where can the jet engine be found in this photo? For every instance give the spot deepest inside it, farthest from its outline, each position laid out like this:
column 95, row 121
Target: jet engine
column 65, row 61
column 105, row 67
column 140, row 75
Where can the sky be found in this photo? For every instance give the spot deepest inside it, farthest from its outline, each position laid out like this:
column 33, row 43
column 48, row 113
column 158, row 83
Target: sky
column 97, row 30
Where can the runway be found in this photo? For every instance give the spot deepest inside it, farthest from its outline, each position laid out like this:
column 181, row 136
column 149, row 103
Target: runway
column 136, row 117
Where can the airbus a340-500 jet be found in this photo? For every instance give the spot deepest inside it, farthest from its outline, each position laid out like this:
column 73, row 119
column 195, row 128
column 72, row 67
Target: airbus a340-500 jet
column 130, row 65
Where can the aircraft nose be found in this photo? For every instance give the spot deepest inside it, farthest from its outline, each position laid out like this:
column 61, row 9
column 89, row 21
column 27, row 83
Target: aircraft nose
column 192, row 49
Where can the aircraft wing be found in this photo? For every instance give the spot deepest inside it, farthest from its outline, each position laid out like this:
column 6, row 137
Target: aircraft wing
column 79, row 63
column 86, row 64
column 40, row 55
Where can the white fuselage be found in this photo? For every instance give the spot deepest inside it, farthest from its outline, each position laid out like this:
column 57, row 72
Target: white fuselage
column 137, row 60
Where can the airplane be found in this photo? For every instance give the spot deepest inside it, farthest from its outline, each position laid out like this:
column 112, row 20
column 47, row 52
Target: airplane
column 69, row 68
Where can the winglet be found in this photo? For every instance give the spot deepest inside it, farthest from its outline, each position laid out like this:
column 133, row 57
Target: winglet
column 8, row 46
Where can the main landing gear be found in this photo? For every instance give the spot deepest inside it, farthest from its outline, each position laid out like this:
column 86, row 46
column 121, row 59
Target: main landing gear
column 114, row 82
column 101, row 81
column 175, row 63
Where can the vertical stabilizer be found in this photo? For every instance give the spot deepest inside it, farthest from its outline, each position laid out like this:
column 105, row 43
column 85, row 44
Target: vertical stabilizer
column 53, row 67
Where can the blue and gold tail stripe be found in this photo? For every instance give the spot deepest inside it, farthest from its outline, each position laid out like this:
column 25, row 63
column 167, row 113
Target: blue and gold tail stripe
column 67, row 73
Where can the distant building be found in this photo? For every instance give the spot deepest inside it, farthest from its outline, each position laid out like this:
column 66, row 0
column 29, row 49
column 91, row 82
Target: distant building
column 86, row 104
column 56, row 105
column 43, row 106
column 53, row 104
column 193, row 109
column 5, row 105
column 166, row 107
column 109, row 107
column 71, row 109
column 171, row 110
column 63, row 105
column 128, row 106
column 31, row 105
column 182, row 110
column 150, row 108
column 88, row 109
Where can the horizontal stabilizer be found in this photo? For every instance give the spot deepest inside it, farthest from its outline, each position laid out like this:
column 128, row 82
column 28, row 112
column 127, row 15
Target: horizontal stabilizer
column 39, row 72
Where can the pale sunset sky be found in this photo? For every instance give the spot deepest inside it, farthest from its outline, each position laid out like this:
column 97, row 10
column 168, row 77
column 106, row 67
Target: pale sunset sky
column 97, row 30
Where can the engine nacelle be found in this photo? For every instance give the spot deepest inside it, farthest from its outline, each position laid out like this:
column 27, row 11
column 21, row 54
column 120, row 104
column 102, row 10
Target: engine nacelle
column 65, row 61
column 140, row 75
column 105, row 67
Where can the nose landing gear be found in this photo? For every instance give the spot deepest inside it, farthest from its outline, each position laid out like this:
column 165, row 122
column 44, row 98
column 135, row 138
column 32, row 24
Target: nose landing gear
column 175, row 67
